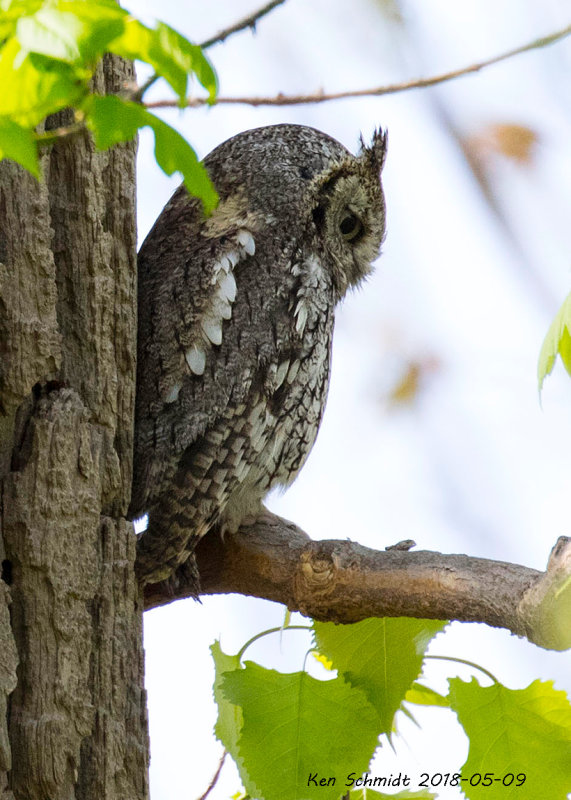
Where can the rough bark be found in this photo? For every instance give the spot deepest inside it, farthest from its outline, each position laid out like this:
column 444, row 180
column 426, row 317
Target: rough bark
column 8, row 680
column 342, row 581
column 76, row 720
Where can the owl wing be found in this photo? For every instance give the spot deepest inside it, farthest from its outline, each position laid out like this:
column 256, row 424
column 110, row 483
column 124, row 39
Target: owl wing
column 207, row 331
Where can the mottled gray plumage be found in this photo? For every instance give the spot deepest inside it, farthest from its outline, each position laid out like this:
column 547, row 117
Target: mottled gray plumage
column 235, row 325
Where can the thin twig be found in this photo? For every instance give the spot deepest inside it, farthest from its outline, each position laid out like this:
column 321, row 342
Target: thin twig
column 54, row 134
column 215, row 777
column 322, row 97
column 248, row 22
column 138, row 94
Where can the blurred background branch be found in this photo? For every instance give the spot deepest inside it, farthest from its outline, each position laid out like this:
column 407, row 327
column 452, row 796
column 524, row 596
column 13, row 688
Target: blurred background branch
column 378, row 91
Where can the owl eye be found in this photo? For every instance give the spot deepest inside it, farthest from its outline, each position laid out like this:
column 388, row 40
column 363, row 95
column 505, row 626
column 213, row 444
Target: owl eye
column 350, row 227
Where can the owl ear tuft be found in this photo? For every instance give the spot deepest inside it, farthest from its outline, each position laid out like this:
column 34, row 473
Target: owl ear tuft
column 376, row 154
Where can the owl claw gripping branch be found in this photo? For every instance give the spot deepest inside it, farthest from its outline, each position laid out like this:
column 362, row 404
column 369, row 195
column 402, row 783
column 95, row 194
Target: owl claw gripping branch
column 235, row 322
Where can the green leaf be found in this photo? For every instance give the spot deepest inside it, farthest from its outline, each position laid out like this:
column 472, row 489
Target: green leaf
column 12, row 10
column 9, row 18
column 73, row 31
column 230, row 720
column 189, row 57
column 51, row 33
column 102, row 21
column 79, row 32
column 171, row 55
column 380, row 656
column 47, row 56
column 425, row 696
column 19, row 144
column 114, row 120
column 298, row 731
column 515, row 732
column 557, row 342
column 32, row 88
column 134, row 41
column 165, row 62
column 17, row 8
column 323, row 660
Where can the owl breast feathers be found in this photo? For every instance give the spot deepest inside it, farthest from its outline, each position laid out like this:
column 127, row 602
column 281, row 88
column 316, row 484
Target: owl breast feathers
column 236, row 317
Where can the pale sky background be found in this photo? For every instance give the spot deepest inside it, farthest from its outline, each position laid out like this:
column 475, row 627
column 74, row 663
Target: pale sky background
column 466, row 288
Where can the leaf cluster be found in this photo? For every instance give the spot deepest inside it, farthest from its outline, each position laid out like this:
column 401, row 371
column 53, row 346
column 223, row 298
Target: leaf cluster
column 49, row 52
column 557, row 342
column 288, row 731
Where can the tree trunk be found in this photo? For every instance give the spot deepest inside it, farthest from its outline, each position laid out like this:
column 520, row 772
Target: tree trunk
column 72, row 703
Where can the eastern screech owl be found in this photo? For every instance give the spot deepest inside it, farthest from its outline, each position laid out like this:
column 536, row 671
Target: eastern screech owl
column 235, row 325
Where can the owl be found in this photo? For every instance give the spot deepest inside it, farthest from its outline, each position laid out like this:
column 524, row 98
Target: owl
column 236, row 315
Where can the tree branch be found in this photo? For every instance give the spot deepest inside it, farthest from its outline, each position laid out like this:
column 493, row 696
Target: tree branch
column 321, row 97
column 247, row 22
column 342, row 581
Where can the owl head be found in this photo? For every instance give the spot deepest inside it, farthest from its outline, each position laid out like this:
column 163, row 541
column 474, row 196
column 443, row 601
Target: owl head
column 309, row 188
column 349, row 212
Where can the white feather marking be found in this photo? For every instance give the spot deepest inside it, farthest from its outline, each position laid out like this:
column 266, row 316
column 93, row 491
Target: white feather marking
column 314, row 265
column 301, row 316
column 222, row 265
column 212, row 329
column 224, row 308
column 219, row 306
column 225, row 264
column 196, row 359
column 293, row 370
column 246, row 239
column 233, row 257
column 281, row 372
column 172, row 396
column 228, row 287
